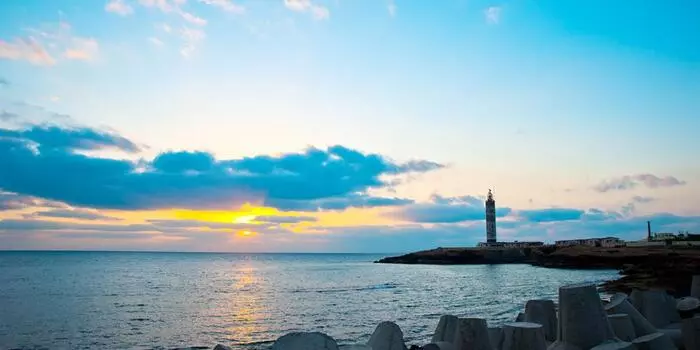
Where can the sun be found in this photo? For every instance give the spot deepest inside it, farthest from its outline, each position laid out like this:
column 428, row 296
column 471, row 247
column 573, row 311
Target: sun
column 244, row 219
column 246, row 233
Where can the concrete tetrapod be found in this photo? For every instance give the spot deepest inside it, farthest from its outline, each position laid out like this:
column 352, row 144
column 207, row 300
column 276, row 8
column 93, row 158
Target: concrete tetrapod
column 544, row 313
column 620, row 305
column 472, row 334
column 387, row 336
column 441, row 345
column 657, row 306
column 615, row 346
column 654, row 341
column 695, row 287
column 495, row 337
column 446, row 329
column 583, row 323
column 691, row 333
column 522, row 336
column 305, row 341
column 622, row 326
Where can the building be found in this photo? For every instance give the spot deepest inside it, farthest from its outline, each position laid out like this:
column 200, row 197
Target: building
column 490, row 219
column 491, row 238
column 606, row 242
column 515, row 244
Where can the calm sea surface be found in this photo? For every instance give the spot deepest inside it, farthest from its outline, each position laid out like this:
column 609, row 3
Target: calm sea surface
column 114, row 300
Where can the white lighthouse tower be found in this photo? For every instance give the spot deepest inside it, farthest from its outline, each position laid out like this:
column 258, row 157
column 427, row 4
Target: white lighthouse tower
column 490, row 219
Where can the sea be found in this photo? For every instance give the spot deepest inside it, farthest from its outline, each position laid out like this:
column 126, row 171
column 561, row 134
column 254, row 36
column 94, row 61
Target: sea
column 144, row 300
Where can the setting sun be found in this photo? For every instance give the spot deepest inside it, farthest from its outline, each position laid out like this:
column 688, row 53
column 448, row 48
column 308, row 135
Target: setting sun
column 246, row 233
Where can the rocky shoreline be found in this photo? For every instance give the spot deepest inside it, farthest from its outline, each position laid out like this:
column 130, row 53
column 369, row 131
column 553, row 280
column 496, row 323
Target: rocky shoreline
column 643, row 268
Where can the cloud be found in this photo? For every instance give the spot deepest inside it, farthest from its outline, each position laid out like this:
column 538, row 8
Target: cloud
column 285, row 219
column 82, row 49
column 193, row 19
column 119, row 7
column 6, row 116
column 155, row 41
column 26, row 49
column 338, row 203
column 13, row 201
column 191, row 39
column 550, row 214
column 4, row 82
column 45, row 45
column 642, row 199
column 225, row 5
column 45, row 161
column 318, row 12
column 631, row 181
column 391, row 7
column 493, row 14
column 82, row 214
column 446, row 210
column 54, row 138
column 167, row 225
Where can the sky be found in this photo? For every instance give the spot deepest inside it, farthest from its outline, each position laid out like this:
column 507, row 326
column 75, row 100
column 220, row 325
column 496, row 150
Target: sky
column 344, row 125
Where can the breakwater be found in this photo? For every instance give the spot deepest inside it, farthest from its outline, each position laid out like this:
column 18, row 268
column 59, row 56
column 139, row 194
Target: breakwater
column 581, row 320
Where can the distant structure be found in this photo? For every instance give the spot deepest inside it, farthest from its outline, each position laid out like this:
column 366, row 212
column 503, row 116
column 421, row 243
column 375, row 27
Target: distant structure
column 607, row 242
column 490, row 219
column 491, row 240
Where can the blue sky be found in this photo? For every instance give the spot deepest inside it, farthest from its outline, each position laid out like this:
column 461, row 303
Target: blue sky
column 585, row 114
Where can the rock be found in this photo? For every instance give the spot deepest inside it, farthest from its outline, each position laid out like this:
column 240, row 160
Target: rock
column 614, row 346
column 654, row 341
column 222, row 347
column 657, row 306
column 441, row 345
column 583, row 322
column 305, row 341
column 687, row 307
column 387, row 336
column 619, row 304
column 496, row 337
column 691, row 333
column 544, row 313
column 695, row 287
column 522, row 336
column 354, row 347
column 446, row 329
column 520, row 317
column 673, row 331
column 622, row 326
column 472, row 334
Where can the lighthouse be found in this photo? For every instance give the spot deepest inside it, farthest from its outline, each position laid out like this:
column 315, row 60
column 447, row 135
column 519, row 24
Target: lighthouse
column 490, row 219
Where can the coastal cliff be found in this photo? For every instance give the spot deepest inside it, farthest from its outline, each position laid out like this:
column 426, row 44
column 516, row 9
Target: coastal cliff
column 669, row 268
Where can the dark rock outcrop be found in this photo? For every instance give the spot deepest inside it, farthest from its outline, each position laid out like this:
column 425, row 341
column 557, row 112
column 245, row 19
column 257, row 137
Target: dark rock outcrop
column 668, row 268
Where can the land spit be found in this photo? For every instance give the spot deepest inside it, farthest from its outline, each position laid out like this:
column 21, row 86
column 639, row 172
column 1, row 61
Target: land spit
column 643, row 268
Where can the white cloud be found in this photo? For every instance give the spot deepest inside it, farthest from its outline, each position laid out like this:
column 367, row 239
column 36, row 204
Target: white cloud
column 155, row 41
column 27, row 49
column 318, row 12
column 225, row 5
column 82, row 49
column 493, row 14
column 55, row 98
column 191, row 38
column 165, row 27
column 119, row 7
column 391, row 7
column 192, row 18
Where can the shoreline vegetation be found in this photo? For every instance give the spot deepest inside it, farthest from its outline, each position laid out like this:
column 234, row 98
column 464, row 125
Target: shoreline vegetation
column 644, row 268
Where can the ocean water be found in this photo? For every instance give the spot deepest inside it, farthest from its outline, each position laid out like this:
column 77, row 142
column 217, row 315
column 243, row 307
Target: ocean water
column 119, row 300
